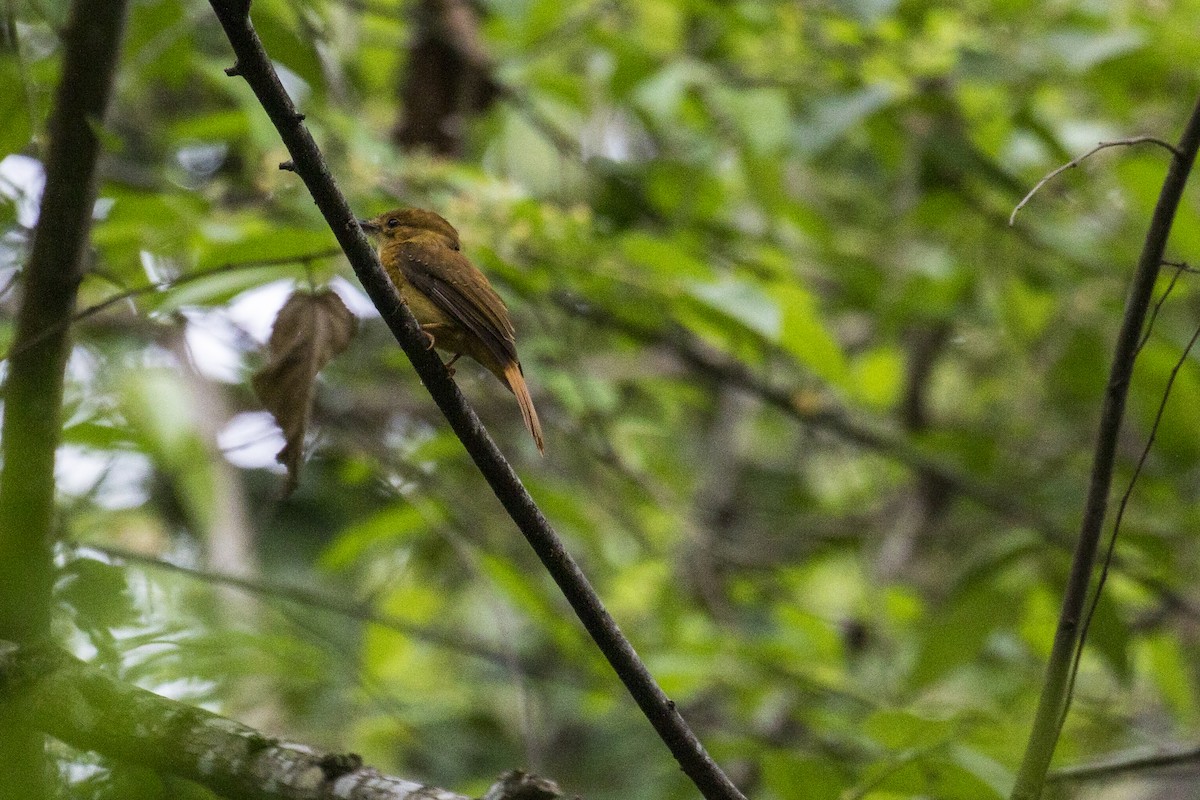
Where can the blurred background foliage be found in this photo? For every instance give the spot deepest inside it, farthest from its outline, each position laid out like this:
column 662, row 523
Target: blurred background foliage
column 760, row 266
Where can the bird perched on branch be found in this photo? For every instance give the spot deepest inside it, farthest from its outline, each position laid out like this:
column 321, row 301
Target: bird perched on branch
column 458, row 309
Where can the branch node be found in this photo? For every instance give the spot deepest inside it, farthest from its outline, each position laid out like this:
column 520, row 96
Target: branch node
column 1075, row 162
column 1180, row 266
column 335, row 765
column 235, row 70
column 259, row 743
column 287, row 166
column 299, row 117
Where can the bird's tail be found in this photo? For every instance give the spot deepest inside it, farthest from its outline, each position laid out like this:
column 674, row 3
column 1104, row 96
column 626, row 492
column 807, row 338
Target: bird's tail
column 515, row 379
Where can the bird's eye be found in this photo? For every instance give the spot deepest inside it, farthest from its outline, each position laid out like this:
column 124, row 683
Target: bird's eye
column 392, row 222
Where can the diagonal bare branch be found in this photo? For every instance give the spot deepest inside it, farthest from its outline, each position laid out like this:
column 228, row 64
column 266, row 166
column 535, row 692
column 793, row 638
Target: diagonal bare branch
column 255, row 66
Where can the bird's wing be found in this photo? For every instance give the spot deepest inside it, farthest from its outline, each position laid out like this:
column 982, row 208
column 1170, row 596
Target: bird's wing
column 458, row 288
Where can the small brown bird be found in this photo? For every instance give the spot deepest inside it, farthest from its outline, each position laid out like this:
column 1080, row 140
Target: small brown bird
column 458, row 309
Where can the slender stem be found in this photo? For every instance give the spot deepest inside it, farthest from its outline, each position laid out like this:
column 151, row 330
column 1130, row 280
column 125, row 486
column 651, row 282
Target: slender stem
column 1110, row 550
column 1125, row 763
column 255, row 66
column 34, row 388
column 1075, row 162
column 345, row 608
column 1051, row 705
column 150, row 288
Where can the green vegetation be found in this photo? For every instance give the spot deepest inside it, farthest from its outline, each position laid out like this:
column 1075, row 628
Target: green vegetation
column 818, row 421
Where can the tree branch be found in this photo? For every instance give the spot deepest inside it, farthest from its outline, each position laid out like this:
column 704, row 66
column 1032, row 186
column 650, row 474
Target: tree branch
column 347, row 609
column 80, row 705
column 34, row 388
column 1053, row 701
column 1075, row 162
column 1122, row 764
column 255, row 66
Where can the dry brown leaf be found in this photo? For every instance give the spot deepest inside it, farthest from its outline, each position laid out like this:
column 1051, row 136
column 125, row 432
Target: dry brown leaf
column 309, row 330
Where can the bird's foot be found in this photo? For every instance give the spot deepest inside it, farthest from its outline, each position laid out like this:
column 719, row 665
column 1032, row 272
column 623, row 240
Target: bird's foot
column 450, row 365
column 429, row 340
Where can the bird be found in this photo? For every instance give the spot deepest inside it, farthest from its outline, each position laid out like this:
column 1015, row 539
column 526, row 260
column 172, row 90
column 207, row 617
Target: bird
column 457, row 308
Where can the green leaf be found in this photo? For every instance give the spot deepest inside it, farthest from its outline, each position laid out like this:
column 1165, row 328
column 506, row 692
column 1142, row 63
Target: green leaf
column 1110, row 636
column 218, row 126
column 97, row 593
column 662, row 94
column 684, row 190
column 899, row 730
column 1080, row 50
column 997, row 779
column 803, row 334
column 95, row 435
column 878, row 377
column 110, row 140
column 1169, row 667
column 520, row 591
column 955, row 636
column 17, row 128
column 215, row 289
column 744, row 301
column 787, row 775
column 291, row 42
column 159, row 223
column 763, row 118
column 832, row 117
column 663, row 258
column 276, row 244
column 1178, row 440
column 386, row 529
column 953, row 780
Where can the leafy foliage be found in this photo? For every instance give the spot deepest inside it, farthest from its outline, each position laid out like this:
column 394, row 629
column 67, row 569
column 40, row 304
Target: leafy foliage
column 734, row 238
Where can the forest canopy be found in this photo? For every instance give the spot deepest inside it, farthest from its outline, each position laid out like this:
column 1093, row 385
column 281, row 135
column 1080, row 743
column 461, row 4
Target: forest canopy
column 819, row 421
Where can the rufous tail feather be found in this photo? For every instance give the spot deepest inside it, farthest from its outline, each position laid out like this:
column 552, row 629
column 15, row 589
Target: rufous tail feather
column 516, row 381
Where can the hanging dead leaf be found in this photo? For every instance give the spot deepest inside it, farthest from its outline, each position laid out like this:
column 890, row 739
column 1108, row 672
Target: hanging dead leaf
column 309, row 330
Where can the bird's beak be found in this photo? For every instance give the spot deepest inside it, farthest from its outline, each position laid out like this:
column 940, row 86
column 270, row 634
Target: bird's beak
column 369, row 226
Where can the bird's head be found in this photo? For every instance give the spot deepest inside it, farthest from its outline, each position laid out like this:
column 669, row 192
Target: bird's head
column 405, row 223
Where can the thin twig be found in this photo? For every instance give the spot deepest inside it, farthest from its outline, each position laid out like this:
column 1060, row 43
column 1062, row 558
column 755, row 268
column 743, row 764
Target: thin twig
column 899, row 762
column 1158, row 304
column 1075, row 162
column 1116, row 530
column 350, row 610
column 8, row 284
column 1123, row 764
column 1048, row 718
column 256, row 67
column 150, row 288
column 1181, row 266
